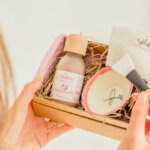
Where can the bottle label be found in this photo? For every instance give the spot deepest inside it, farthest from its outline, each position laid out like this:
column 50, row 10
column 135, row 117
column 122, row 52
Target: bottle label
column 67, row 86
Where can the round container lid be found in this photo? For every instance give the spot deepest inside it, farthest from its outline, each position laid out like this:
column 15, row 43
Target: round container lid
column 106, row 92
column 76, row 43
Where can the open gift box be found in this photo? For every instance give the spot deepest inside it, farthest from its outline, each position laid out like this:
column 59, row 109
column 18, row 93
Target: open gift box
column 45, row 107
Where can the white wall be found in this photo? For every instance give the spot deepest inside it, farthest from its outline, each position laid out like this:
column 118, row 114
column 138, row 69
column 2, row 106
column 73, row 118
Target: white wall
column 31, row 26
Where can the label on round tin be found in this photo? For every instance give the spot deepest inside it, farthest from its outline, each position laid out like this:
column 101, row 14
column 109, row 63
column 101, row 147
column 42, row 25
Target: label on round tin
column 67, row 86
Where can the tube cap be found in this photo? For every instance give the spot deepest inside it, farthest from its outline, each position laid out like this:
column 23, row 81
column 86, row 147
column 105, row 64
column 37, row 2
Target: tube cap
column 76, row 43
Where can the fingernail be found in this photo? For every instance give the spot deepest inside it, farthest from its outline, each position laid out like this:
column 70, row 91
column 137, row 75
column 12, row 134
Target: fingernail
column 134, row 96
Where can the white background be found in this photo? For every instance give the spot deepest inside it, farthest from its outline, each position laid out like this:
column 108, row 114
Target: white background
column 31, row 25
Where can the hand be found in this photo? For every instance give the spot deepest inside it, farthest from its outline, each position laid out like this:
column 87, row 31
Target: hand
column 22, row 130
column 138, row 133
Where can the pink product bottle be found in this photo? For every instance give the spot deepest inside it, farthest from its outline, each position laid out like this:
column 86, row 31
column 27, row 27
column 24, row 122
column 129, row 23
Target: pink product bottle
column 69, row 75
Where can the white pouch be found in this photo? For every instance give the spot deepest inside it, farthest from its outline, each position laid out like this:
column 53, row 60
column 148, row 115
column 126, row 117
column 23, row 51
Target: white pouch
column 132, row 41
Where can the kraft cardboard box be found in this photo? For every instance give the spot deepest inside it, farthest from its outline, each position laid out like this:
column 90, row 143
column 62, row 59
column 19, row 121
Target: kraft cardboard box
column 47, row 108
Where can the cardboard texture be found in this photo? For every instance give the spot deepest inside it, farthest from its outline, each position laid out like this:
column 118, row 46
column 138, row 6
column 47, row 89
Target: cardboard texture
column 78, row 118
column 105, row 126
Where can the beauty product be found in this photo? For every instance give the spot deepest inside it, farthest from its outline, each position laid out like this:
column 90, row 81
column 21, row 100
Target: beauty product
column 126, row 68
column 69, row 75
column 106, row 92
column 132, row 41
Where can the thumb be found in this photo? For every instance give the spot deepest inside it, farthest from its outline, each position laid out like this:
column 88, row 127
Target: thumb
column 19, row 110
column 139, row 113
column 28, row 92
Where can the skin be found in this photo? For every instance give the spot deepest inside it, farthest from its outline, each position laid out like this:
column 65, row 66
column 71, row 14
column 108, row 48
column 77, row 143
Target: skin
column 138, row 133
column 22, row 130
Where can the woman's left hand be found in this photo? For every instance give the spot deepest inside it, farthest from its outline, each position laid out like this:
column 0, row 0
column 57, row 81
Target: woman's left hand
column 138, row 134
column 22, row 130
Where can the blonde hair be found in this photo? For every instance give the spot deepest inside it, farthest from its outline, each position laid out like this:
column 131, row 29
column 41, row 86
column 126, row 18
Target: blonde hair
column 7, row 85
